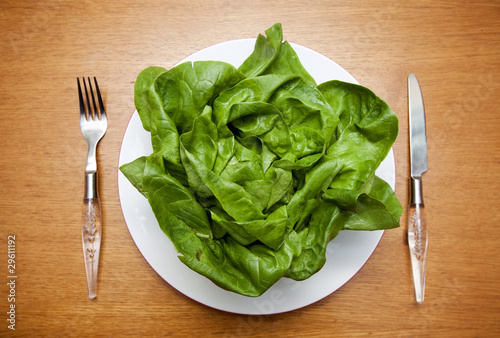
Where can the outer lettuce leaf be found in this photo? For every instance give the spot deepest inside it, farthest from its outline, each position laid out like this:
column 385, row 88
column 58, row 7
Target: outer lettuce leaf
column 185, row 90
column 265, row 52
column 366, row 131
column 287, row 62
column 374, row 210
column 255, row 170
column 145, row 97
column 325, row 224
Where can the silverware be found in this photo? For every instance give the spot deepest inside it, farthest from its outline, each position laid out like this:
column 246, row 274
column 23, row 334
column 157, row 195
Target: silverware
column 93, row 124
column 417, row 227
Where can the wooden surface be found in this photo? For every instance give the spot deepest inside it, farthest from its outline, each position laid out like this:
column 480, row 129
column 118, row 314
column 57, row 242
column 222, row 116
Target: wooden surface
column 452, row 46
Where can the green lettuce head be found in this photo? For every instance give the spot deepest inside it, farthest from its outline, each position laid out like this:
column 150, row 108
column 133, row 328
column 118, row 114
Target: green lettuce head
column 256, row 169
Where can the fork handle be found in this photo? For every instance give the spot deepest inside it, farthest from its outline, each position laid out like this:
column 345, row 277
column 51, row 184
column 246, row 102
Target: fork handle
column 91, row 232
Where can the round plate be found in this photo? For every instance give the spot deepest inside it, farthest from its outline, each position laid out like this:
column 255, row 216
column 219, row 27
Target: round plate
column 346, row 254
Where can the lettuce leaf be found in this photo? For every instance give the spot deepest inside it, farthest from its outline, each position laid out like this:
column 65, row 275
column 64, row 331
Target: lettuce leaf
column 255, row 170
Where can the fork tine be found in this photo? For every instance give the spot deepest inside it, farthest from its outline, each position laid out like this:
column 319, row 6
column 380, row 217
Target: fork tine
column 99, row 98
column 80, row 96
column 89, row 107
column 95, row 117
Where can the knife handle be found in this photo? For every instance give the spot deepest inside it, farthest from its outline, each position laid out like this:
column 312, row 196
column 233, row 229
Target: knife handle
column 417, row 238
column 91, row 232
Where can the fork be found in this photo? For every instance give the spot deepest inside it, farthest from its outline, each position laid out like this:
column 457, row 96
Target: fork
column 93, row 124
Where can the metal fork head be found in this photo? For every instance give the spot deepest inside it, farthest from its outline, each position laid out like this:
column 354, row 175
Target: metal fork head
column 89, row 113
column 93, row 121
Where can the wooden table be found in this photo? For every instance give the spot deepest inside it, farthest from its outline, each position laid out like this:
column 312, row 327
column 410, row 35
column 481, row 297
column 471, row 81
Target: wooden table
column 453, row 47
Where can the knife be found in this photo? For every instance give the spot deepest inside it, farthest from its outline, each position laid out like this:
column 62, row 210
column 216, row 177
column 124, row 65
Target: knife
column 417, row 227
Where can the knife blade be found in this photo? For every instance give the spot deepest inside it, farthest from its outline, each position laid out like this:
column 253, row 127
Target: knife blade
column 417, row 226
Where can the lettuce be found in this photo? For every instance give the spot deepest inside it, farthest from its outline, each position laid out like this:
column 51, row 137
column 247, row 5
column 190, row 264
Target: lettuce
column 255, row 170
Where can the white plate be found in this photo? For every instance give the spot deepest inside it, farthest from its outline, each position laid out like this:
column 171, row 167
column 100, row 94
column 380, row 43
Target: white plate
column 346, row 254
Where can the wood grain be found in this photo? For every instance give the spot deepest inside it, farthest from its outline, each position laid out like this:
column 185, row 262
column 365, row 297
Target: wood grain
column 453, row 47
